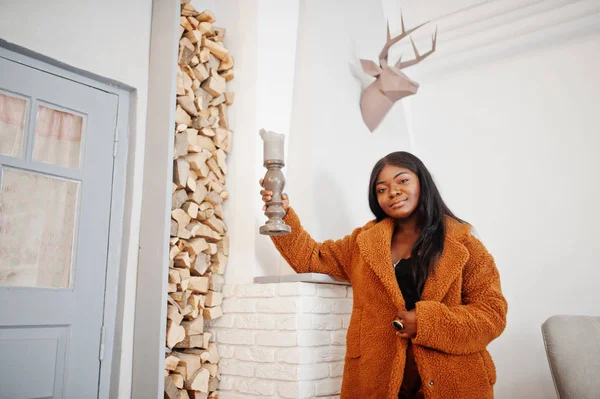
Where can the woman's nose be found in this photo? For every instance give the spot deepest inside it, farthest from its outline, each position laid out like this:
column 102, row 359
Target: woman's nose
column 394, row 191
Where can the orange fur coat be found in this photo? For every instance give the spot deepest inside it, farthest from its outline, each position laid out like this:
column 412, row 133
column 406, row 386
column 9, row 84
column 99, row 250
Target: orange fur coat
column 461, row 311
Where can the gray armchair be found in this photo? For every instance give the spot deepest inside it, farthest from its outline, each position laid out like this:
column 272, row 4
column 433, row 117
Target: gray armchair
column 573, row 350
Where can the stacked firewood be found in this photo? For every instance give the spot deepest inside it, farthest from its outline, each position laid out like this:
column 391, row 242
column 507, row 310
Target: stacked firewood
column 199, row 244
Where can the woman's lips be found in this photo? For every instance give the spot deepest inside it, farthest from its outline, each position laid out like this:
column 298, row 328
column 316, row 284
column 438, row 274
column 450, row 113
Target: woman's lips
column 398, row 204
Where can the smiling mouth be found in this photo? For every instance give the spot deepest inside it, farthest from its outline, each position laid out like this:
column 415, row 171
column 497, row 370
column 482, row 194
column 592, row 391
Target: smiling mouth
column 398, row 204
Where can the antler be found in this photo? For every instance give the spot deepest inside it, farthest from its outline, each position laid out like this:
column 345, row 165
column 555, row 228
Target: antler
column 383, row 56
column 418, row 57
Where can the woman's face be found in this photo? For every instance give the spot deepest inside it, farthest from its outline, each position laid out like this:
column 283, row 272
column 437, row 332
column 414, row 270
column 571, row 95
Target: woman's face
column 398, row 191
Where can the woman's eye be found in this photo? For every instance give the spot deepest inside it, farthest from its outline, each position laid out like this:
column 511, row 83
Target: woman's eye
column 403, row 181
column 381, row 190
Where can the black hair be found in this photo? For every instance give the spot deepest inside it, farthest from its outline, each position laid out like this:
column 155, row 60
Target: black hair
column 431, row 214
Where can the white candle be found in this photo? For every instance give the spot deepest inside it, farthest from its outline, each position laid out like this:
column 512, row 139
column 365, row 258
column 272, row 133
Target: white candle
column 272, row 145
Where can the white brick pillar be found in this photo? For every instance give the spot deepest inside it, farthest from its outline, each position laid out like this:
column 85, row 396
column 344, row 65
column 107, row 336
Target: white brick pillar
column 282, row 340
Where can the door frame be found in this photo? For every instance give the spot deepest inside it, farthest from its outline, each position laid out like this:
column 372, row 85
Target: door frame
column 115, row 269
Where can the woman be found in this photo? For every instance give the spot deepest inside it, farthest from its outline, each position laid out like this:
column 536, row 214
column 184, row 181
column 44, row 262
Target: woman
column 427, row 295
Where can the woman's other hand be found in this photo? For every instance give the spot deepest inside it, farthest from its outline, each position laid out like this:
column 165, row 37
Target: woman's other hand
column 266, row 197
column 409, row 321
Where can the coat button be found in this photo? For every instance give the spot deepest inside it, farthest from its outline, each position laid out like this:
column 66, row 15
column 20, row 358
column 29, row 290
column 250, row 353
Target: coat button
column 431, row 383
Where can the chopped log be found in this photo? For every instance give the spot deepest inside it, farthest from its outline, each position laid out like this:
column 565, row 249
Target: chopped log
column 171, row 362
column 187, row 104
column 181, row 30
column 229, row 97
column 201, row 73
column 198, row 395
column 197, row 161
column 181, row 169
column 191, row 341
column 223, row 119
column 206, row 143
column 174, row 276
column 183, row 21
column 226, row 64
column 175, row 334
column 203, row 98
column 194, row 327
column 206, row 16
column 173, row 314
column 213, row 63
column 171, row 391
column 221, row 160
column 213, row 384
column 199, row 285
column 208, row 132
column 215, row 84
column 194, row 61
column 219, row 211
column 201, row 264
column 204, row 55
column 182, row 117
column 213, row 369
column 191, row 183
column 177, row 379
column 224, row 195
column 215, row 48
column 224, row 245
column 218, row 100
column 192, row 361
column 214, row 198
column 194, row 22
column 174, row 228
column 218, row 34
column 195, row 246
column 183, row 393
column 205, row 28
column 219, row 261
column 214, row 299
column 199, row 381
column 199, row 195
column 173, row 252
column 212, row 248
column 186, row 51
column 171, row 287
column 183, row 260
column 184, row 233
column 180, row 128
column 178, row 198
column 187, row 82
column 216, row 224
column 184, row 278
column 191, row 208
column 194, row 36
column 215, row 186
column 216, row 282
column 182, row 218
column 211, row 355
column 181, row 145
column 203, row 231
column 228, row 75
column 187, row 10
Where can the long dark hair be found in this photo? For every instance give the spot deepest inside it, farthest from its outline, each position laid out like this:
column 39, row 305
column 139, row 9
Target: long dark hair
column 431, row 212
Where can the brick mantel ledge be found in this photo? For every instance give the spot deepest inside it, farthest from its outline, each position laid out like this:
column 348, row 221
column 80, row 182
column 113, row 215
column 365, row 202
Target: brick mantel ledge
column 283, row 339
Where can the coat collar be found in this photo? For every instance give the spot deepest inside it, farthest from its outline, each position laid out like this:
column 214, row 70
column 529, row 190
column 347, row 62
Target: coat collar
column 375, row 242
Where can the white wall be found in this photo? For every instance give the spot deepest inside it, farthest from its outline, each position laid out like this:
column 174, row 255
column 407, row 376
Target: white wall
column 111, row 39
column 513, row 145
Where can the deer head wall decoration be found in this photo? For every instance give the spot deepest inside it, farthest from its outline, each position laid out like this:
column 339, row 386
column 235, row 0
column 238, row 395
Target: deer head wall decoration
column 391, row 84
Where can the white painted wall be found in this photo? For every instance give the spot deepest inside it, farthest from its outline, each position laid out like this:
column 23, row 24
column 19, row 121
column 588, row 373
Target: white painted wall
column 513, row 145
column 111, row 39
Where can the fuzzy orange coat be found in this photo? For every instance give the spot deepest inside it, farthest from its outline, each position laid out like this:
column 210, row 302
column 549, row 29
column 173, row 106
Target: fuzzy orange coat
column 461, row 311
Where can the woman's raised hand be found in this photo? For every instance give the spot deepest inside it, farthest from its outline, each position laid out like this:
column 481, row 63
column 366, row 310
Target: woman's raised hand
column 266, row 197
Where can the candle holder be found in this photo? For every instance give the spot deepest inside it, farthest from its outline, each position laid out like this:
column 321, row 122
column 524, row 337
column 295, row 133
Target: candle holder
column 274, row 181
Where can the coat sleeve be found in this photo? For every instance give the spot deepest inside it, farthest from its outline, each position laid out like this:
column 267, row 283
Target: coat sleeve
column 305, row 255
column 470, row 327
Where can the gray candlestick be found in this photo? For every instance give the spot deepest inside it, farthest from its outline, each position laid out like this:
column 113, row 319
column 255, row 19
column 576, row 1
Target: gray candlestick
column 274, row 181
